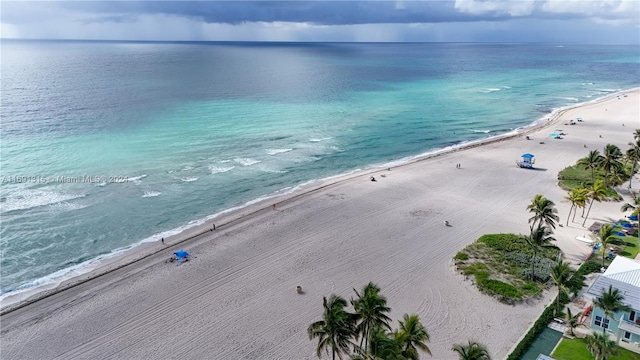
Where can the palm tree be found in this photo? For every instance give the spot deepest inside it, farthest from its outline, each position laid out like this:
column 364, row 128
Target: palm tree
column 412, row 335
column 560, row 275
column 610, row 302
column 544, row 211
column 473, row 351
column 597, row 192
column 577, row 197
column 572, row 321
column 592, row 161
column 636, row 134
column 606, row 234
column 611, row 158
column 617, row 176
column 633, row 156
column 371, row 308
column 537, row 240
column 335, row 330
column 635, row 207
column 600, row 345
column 382, row 346
column 581, row 201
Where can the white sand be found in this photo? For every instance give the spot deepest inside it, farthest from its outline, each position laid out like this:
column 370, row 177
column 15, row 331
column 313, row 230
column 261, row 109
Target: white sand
column 237, row 300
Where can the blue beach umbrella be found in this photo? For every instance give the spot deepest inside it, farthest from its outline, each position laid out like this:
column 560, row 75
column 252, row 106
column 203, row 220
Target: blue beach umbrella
column 620, row 233
column 627, row 225
column 633, row 217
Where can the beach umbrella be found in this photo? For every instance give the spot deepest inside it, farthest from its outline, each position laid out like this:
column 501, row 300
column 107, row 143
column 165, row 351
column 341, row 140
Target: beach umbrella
column 633, row 217
column 627, row 225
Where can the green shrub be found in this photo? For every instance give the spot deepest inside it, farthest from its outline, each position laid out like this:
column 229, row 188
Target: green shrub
column 531, row 288
column 500, row 288
column 475, row 268
column 461, row 256
column 503, row 242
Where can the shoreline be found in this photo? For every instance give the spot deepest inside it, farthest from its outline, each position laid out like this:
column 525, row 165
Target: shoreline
column 130, row 255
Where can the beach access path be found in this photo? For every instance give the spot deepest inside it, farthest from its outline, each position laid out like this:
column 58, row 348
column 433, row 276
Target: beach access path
column 236, row 298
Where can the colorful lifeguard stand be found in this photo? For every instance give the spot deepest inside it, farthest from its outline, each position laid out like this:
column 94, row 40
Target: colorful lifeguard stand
column 527, row 161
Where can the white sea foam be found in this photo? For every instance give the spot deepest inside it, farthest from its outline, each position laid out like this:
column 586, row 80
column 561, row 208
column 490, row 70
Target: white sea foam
column 225, row 161
column 135, row 179
column 217, row 170
column 151, row 194
column 320, row 139
column 570, row 99
column 189, row 179
column 28, row 199
column 481, row 131
column 246, row 161
column 187, row 168
column 490, row 90
column 277, row 151
column 67, row 206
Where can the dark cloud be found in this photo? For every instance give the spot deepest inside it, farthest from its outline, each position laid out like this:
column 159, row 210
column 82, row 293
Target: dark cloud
column 315, row 12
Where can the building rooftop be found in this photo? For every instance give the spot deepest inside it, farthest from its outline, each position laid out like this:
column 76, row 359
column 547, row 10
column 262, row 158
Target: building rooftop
column 623, row 274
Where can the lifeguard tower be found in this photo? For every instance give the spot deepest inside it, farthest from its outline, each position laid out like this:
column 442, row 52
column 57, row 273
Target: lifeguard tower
column 527, row 161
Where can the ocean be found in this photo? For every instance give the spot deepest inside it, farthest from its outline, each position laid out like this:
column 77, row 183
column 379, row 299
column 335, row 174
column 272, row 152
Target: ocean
column 106, row 145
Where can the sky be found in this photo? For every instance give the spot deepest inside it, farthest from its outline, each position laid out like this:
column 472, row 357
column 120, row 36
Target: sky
column 558, row 21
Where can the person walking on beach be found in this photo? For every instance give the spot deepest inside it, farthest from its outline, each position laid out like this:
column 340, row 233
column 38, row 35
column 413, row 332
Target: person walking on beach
column 162, row 241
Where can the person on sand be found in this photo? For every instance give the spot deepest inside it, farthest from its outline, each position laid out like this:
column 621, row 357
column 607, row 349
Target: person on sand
column 372, row 178
column 274, row 206
column 162, row 241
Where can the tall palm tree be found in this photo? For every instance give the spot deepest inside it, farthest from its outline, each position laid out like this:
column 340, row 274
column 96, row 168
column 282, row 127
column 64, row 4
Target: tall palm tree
column 600, row 345
column 572, row 321
column 412, row 335
column 543, row 211
column 633, row 155
column 634, row 206
column 597, row 192
column 560, row 274
column 577, row 197
column 636, row 134
column 610, row 302
column 592, row 162
column 606, row 234
column 582, row 195
column 473, row 351
column 335, row 330
column 611, row 158
column 371, row 308
column 537, row 240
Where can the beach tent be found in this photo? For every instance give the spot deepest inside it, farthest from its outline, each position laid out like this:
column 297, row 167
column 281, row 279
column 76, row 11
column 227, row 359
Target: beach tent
column 181, row 254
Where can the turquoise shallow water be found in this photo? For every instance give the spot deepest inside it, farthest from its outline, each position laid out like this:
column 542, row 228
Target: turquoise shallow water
column 107, row 144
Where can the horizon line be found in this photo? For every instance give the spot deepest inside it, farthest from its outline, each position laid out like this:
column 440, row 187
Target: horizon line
column 311, row 41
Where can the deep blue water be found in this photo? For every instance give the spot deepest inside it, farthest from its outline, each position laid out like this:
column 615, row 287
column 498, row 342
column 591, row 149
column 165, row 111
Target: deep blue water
column 107, row 144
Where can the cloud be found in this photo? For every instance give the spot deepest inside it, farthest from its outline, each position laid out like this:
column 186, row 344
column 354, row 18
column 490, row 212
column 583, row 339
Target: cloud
column 440, row 20
column 497, row 7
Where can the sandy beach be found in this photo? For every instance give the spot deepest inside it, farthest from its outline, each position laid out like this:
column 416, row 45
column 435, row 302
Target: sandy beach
column 236, row 298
